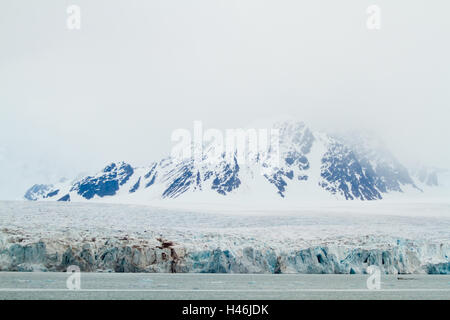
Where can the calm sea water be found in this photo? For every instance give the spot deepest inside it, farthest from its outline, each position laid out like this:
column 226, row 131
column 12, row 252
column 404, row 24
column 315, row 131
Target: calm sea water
column 15, row 285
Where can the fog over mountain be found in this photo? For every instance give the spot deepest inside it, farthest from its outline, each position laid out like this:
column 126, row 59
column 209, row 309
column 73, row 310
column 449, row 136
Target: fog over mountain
column 300, row 165
column 74, row 101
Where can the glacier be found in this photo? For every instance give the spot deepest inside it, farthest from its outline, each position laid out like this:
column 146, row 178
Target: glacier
column 400, row 238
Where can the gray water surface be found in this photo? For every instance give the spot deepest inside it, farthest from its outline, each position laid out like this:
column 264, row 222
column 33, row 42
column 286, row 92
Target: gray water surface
column 43, row 285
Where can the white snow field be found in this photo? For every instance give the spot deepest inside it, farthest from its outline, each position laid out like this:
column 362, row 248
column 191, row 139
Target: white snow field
column 339, row 237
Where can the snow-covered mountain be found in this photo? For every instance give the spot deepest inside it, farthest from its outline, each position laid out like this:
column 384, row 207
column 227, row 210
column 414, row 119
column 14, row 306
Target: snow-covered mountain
column 313, row 165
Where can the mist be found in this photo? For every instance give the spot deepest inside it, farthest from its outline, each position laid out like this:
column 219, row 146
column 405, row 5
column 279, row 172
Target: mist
column 72, row 101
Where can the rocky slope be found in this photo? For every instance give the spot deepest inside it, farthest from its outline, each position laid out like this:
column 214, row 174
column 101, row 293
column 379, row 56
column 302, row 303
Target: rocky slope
column 311, row 165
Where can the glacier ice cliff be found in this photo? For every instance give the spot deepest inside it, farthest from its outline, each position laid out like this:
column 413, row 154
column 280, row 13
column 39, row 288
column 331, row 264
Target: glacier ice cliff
column 166, row 257
column 343, row 238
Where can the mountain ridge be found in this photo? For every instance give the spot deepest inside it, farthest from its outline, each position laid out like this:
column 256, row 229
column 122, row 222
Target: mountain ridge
column 312, row 164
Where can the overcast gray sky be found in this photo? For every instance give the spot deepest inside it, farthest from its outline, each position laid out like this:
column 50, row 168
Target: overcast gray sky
column 72, row 101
